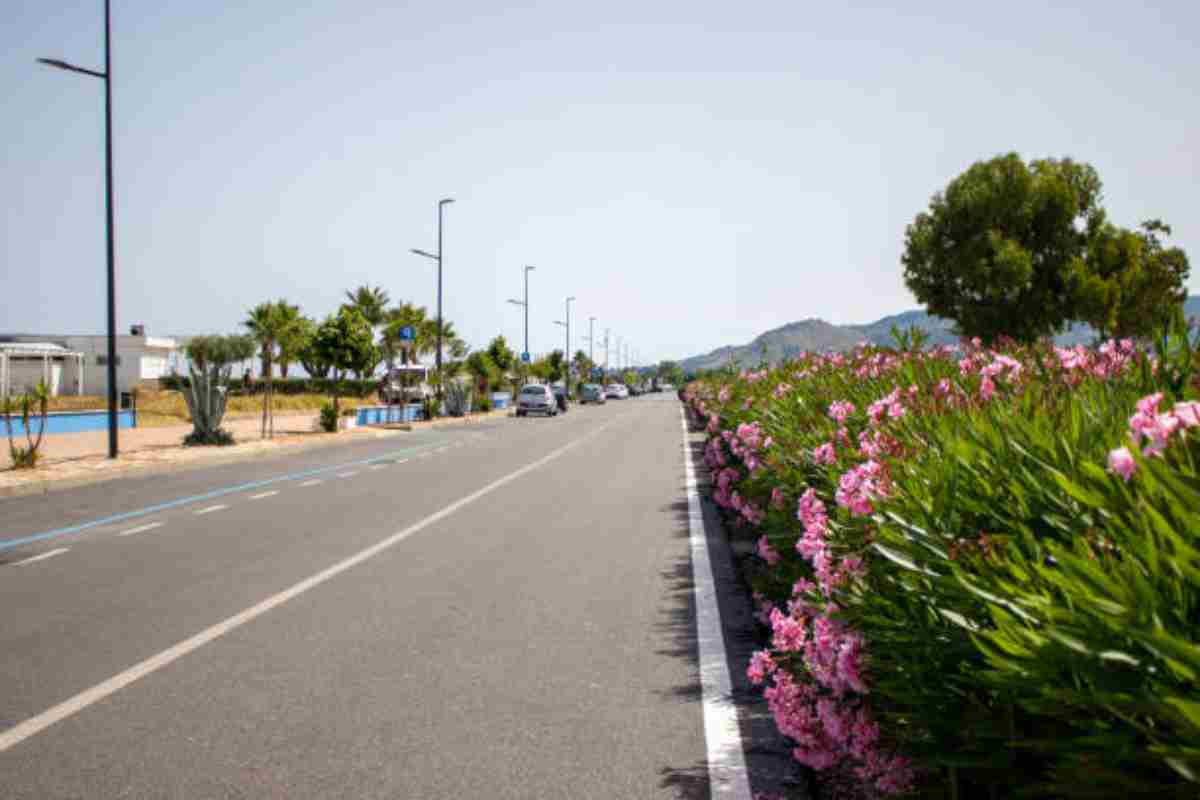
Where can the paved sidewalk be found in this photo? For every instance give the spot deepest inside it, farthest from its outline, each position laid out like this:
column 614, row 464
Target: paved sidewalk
column 69, row 459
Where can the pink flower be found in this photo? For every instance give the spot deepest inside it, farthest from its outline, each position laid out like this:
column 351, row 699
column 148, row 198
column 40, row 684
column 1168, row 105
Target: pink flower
column 789, row 633
column 1120, row 462
column 841, row 411
column 824, row 454
column 986, row 388
column 761, row 665
column 777, row 501
column 1188, row 413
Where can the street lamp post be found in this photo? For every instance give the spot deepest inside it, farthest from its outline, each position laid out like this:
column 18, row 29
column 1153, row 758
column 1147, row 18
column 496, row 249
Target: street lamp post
column 525, row 303
column 591, row 339
column 106, row 76
column 567, row 352
column 438, row 258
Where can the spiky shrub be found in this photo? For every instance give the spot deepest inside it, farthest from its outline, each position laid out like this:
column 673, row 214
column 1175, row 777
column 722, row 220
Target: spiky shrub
column 457, row 399
column 211, row 360
column 968, row 586
column 32, row 401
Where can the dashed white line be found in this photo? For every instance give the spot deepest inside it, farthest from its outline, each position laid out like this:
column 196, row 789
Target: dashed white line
column 349, row 474
column 261, row 495
column 402, row 461
column 42, row 557
column 211, row 509
column 311, row 483
column 141, row 529
column 378, row 466
column 73, row 705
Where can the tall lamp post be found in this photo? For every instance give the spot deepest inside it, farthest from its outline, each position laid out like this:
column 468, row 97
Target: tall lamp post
column 525, row 303
column 106, row 76
column 438, row 258
column 591, row 340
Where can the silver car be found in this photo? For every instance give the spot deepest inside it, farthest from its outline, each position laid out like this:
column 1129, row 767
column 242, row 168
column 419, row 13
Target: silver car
column 536, row 399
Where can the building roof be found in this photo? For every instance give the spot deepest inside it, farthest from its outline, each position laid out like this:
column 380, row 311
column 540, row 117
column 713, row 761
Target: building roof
column 36, row 348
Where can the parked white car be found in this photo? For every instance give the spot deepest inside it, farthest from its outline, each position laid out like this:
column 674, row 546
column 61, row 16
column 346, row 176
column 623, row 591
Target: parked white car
column 536, row 398
column 616, row 391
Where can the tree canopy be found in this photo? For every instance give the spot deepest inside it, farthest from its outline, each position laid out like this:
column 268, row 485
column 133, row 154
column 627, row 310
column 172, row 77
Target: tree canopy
column 1020, row 250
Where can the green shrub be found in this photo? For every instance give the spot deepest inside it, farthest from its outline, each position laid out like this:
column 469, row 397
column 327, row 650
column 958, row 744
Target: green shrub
column 485, row 403
column 218, row 438
column 329, row 420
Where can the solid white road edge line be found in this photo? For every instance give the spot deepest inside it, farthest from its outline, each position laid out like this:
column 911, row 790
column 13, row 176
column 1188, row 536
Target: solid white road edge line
column 211, row 509
column 42, row 557
column 261, row 495
column 141, row 528
column 727, row 777
column 350, row 474
column 34, row 725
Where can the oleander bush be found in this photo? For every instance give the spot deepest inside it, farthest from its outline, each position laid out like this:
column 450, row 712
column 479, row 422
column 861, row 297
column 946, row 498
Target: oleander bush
column 979, row 567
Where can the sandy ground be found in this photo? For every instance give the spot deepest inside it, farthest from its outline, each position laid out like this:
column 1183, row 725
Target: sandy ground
column 69, row 459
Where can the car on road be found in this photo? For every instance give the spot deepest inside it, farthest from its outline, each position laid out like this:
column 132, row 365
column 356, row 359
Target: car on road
column 592, row 393
column 616, row 391
column 536, row 398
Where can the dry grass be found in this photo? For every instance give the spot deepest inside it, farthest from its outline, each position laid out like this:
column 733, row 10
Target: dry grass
column 158, row 409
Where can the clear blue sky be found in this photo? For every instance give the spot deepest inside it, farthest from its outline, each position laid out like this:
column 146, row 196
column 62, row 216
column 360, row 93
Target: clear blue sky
column 694, row 172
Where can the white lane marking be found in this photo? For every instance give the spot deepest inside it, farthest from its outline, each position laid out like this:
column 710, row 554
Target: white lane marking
column 423, row 455
column 726, row 757
column 349, row 474
column 42, row 557
column 402, row 461
column 73, row 705
column 378, row 466
column 261, row 495
column 141, row 529
column 311, row 483
column 211, row 509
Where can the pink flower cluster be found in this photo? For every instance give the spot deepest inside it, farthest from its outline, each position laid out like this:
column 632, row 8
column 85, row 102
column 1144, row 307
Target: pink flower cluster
column 890, row 405
column 860, row 485
column 1155, row 428
column 746, row 443
column 841, row 410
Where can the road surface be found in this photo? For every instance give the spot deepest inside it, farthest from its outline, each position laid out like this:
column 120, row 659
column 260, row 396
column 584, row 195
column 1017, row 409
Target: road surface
column 502, row 610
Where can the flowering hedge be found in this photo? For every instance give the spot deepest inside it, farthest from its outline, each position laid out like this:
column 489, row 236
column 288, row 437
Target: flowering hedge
column 980, row 567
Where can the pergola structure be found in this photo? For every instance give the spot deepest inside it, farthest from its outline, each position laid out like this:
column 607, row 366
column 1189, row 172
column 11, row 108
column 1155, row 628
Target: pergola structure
column 46, row 352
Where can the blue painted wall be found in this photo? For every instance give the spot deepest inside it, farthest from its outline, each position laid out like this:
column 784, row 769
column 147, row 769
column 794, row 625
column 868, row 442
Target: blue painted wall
column 377, row 415
column 71, row 422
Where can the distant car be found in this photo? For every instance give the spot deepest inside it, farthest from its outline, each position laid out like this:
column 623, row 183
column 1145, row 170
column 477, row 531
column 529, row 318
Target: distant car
column 592, row 393
column 536, row 399
column 616, row 391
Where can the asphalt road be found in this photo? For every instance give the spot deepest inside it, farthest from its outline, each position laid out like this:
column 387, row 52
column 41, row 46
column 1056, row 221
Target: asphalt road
column 496, row 611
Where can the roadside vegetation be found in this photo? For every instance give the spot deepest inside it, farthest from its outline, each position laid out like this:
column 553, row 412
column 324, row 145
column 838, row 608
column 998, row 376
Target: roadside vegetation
column 978, row 567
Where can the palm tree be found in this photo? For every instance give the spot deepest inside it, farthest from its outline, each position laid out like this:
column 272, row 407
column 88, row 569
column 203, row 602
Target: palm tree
column 264, row 326
column 371, row 302
column 294, row 332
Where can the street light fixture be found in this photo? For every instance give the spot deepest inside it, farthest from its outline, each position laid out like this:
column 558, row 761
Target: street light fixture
column 525, row 304
column 106, row 76
column 438, row 258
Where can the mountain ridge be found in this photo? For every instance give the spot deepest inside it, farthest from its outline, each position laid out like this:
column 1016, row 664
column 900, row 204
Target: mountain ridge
column 815, row 334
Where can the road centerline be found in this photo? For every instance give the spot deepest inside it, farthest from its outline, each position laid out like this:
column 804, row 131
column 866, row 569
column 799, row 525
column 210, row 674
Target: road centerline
column 141, row 528
column 42, row 556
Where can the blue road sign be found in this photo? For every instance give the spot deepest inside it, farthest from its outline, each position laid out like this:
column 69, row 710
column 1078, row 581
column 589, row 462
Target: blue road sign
column 525, row 357
column 408, row 333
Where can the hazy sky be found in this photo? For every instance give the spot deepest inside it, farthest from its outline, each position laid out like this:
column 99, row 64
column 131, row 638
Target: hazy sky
column 693, row 172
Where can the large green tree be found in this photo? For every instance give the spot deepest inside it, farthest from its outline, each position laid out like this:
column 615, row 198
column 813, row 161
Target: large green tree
column 1134, row 284
column 1002, row 250
column 346, row 342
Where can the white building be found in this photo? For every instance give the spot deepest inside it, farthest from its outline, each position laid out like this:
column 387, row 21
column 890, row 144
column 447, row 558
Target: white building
column 79, row 364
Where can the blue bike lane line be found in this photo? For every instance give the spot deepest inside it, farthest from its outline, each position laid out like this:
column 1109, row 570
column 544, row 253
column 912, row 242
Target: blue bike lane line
column 8, row 544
